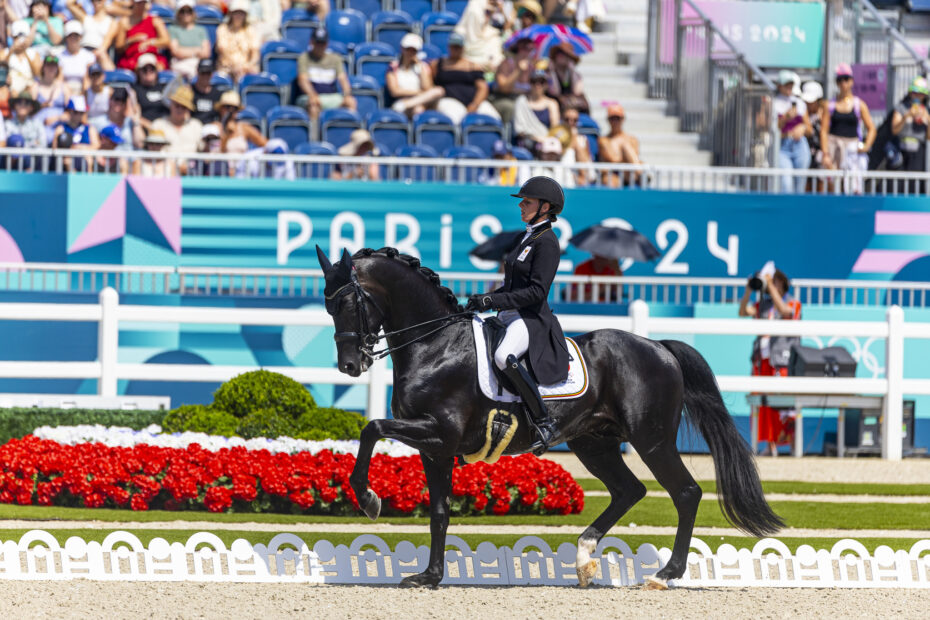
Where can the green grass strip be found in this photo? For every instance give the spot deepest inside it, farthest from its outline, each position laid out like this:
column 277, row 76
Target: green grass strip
column 794, row 487
column 473, row 540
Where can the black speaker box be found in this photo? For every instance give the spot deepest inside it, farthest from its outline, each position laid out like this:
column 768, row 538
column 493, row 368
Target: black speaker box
column 829, row 362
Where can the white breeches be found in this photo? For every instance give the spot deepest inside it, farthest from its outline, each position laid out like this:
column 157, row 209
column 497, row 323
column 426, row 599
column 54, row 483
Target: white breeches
column 516, row 341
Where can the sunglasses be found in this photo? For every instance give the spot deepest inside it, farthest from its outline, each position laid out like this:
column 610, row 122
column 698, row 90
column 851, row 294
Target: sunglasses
column 571, row 119
column 615, row 118
column 149, row 68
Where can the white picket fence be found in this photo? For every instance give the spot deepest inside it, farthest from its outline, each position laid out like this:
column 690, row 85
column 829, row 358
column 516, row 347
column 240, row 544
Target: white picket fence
column 530, row 562
column 109, row 314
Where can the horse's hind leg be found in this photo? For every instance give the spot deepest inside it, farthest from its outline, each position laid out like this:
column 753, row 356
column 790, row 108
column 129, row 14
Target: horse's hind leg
column 666, row 465
column 601, row 455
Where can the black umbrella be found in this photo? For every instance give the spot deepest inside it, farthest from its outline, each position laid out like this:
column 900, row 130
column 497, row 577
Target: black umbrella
column 612, row 242
column 496, row 247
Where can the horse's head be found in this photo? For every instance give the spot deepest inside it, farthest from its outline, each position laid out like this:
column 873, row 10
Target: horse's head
column 355, row 314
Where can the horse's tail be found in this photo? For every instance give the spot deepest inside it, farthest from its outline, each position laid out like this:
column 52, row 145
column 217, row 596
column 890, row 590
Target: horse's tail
column 739, row 490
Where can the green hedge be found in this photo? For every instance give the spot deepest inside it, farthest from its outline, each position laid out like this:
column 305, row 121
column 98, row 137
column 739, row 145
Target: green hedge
column 20, row 421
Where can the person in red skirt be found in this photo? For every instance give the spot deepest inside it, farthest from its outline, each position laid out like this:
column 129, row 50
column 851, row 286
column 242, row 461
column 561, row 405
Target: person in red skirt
column 770, row 354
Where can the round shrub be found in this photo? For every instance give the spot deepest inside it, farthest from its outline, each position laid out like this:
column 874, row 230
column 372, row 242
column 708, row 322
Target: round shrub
column 177, row 419
column 266, row 423
column 213, row 422
column 262, row 389
column 329, row 423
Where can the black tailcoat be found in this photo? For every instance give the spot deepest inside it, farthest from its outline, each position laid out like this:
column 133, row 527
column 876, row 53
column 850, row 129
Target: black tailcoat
column 529, row 269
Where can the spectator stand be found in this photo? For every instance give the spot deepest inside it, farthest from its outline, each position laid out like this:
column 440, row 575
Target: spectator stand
column 314, row 170
column 435, row 130
column 261, row 91
column 588, row 127
column 119, row 78
column 253, row 117
column 464, row 174
column 165, row 77
column 389, row 128
column 222, row 83
column 365, row 7
column 289, row 123
column 369, row 95
column 430, row 52
column 481, row 131
column 456, row 7
column 297, row 25
column 374, row 59
column 390, row 27
column 410, row 173
column 416, row 9
column 437, row 27
column 279, row 58
column 166, row 13
column 336, row 126
column 521, row 154
column 210, row 18
column 347, row 26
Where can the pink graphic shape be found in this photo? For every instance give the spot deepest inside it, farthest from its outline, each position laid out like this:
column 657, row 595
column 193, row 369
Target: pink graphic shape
column 902, row 223
column 162, row 199
column 885, row 261
column 9, row 249
column 108, row 223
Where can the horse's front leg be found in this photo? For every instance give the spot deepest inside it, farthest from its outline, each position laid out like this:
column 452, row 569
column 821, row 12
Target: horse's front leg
column 439, row 481
column 421, row 434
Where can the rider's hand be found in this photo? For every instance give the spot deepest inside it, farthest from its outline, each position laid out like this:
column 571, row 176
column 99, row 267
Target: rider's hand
column 478, row 303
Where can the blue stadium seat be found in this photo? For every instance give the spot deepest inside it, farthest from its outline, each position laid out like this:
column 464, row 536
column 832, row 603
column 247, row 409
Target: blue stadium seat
column 253, row 117
column 162, row 11
column 390, row 27
column 374, row 59
column 437, row 27
column 459, row 174
column 454, row 6
column 390, row 128
column 289, row 123
column 165, row 76
column 222, row 83
column 299, row 29
column 347, row 26
column 338, row 47
column 430, row 52
column 209, row 17
column 408, row 172
column 337, row 125
column 588, row 127
column 298, row 15
column 521, row 154
column 280, row 58
column 307, row 170
column 482, row 131
column 119, row 77
column 367, row 93
column 365, row 7
column 261, row 91
column 414, row 8
column 434, row 130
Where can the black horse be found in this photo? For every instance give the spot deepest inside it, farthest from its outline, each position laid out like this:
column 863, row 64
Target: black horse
column 638, row 388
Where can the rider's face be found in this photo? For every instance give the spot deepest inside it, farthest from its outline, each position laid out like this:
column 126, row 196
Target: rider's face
column 528, row 209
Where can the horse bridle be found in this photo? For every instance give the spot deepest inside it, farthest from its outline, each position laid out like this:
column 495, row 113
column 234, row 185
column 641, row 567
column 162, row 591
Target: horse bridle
column 364, row 337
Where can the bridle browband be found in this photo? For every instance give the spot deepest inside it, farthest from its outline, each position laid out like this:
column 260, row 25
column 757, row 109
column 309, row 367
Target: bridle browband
column 364, row 337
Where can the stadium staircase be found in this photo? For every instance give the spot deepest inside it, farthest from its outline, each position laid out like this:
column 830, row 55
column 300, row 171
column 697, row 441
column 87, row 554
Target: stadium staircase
column 616, row 71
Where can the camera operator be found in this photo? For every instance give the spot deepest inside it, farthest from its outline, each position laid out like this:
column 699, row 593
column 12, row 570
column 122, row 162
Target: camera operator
column 770, row 354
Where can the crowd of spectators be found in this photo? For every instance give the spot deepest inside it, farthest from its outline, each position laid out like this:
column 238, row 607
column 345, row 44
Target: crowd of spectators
column 132, row 75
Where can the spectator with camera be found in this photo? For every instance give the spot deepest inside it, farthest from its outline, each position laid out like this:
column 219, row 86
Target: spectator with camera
column 910, row 124
column 770, row 354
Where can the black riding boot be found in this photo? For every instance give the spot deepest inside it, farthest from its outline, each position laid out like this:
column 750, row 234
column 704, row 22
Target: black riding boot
column 529, row 392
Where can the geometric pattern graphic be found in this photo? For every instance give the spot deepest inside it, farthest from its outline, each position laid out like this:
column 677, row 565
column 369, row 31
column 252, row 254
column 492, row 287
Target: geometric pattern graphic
column 368, row 560
column 9, row 249
column 147, row 209
column 901, row 237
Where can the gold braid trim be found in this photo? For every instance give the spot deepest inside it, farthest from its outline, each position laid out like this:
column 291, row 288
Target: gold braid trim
column 482, row 454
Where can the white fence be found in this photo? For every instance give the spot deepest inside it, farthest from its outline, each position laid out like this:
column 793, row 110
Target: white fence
column 109, row 314
column 290, row 282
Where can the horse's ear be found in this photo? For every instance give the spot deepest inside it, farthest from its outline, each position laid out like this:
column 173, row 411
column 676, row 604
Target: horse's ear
column 324, row 260
column 344, row 272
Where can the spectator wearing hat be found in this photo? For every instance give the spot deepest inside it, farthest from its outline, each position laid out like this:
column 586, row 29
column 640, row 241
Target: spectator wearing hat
column 83, row 136
column 512, row 78
column 189, row 42
column 529, row 13
column 45, row 30
column 97, row 93
column 465, row 89
column 149, row 93
column 237, row 46
column 575, row 145
column 111, row 139
column 206, row 95
column 565, row 83
column 122, row 113
column 322, row 78
column 812, row 96
column 139, row 34
column 841, row 131
column 22, row 121
column 157, row 167
column 618, row 147
column 360, row 144
column 237, row 137
column 483, row 26
column 504, row 175
column 794, row 151
column 181, row 131
column 99, row 27
column 409, row 80
column 550, row 152
column 535, row 114
column 74, row 60
column 15, row 162
column 24, row 64
column 910, row 123
column 210, row 142
column 52, row 95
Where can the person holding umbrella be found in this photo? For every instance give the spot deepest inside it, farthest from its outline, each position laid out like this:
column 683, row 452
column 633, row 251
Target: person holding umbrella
column 529, row 270
column 608, row 244
column 597, row 265
column 565, row 83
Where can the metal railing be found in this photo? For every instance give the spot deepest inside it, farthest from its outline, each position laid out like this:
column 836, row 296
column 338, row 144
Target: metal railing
column 288, row 282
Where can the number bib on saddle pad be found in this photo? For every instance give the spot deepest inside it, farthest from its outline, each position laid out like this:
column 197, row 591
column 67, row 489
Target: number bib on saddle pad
column 573, row 387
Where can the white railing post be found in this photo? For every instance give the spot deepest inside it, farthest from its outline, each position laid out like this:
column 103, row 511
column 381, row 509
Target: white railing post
column 894, row 398
column 108, row 341
column 639, row 312
column 378, row 375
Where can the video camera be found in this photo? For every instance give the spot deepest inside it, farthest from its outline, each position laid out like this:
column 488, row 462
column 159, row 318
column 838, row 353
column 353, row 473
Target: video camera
column 756, row 281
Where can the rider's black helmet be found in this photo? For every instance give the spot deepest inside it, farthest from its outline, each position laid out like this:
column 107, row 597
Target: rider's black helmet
column 544, row 188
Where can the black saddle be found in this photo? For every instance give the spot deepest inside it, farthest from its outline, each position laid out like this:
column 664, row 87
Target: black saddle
column 494, row 331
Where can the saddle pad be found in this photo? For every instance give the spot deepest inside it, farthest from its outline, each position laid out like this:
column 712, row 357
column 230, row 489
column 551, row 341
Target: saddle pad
column 573, row 387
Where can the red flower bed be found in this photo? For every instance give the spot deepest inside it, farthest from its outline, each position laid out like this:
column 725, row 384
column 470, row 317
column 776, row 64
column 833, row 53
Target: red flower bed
column 37, row 471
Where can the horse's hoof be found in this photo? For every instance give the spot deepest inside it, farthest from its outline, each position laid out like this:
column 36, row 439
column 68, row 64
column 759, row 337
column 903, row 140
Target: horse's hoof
column 422, row 580
column 586, row 573
column 370, row 504
column 655, row 583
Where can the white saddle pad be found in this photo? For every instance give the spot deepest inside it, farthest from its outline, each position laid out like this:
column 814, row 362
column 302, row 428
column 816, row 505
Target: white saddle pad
column 573, row 387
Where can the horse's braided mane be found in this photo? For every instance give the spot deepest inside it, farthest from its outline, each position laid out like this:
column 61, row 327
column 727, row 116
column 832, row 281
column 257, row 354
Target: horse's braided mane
column 414, row 263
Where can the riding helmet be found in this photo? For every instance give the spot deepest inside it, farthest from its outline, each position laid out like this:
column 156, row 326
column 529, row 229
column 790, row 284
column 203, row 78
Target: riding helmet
column 543, row 188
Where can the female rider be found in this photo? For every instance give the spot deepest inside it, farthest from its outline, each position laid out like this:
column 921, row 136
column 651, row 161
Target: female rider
column 529, row 269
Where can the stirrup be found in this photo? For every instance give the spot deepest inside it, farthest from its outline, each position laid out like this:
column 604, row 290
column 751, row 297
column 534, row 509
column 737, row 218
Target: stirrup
column 544, row 434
